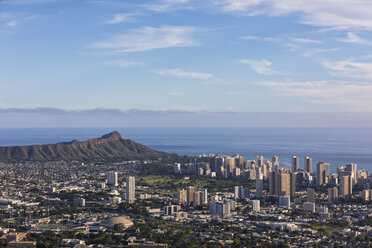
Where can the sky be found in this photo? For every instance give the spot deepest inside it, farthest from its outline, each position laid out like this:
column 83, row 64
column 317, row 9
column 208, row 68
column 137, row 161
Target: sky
column 186, row 55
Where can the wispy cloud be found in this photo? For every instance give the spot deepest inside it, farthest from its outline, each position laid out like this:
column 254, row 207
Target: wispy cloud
column 260, row 66
column 185, row 74
column 269, row 39
column 347, row 95
column 353, row 38
column 149, row 38
column 302, row 45
column 305, row 41
column 312, row 51
column 25, row 2
column 168, row 5
column 12, row 20
column 123, row 63
column 349, row 68
column 121, row 17
column 335, row 13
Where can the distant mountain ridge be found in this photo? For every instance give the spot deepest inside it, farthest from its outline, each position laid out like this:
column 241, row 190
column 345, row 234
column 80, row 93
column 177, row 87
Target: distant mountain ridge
column 109, row 146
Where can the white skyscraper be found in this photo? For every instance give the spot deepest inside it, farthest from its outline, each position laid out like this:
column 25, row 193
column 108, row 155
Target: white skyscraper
column 239, row 192
column 256, row 205
column 295, row 163
column 112, row 178
column 260, row 160
column 131, row 189
column 259, row 185
column 177, row 168
column 322, row 172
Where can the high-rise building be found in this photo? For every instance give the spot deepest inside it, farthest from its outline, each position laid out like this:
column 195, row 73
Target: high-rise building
column 362, row 176
column 112, row 178
column 274, row 183
column 260, row 160
column 259, row 184
column 268, row 167
column 79, row 202
column 239, row 192
column 220, row 209
column 295, row 163
column 353, row 169
column 284, row 183
column 230, row 164
column 323, row 213
column 131, row 189
column 236, row 172
column 205, row 200
column 212, row 164
column 293, row 183
column 308, row 164
column 256, row 205
column 182, row 197
column 190, row 195
column 332, row 195
column 198, row 198
column 310, row 195
column 275, row 160
column 239, row 161
column 346, row 186
column 366, row 195
column 171, row 209
column 276, row 167
column 333, row 180
column 177, row 168
column 322, row 172
column 309, row 207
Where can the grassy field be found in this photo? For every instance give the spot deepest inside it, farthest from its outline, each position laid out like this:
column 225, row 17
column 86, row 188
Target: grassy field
column 51, row 226
column 175, row 184
column 326, row 228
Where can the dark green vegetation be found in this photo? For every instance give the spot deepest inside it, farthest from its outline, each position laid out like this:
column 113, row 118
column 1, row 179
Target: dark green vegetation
column 326, row 229
column 366, row 222
column 174, row 184
column 109, row 147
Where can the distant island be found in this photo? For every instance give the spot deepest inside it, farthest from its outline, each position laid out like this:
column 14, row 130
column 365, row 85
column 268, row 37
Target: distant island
column 109, row 147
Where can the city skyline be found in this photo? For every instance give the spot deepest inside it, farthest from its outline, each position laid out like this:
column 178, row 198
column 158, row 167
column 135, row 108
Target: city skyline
column 186, row 55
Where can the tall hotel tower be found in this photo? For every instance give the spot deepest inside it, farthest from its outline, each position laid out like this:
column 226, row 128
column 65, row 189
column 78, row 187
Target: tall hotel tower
column 131, row 189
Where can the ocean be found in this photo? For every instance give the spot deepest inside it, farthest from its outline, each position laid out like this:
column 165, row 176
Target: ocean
column 338, row 146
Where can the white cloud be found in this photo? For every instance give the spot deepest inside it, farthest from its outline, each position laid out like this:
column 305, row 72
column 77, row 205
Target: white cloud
column 168, row 5
column 121, row 17
column 149, row 38
column 269, row 39
column 12, row 20
column 312, row 51
column 185, row 74
column 123, row 63
column 260, row 66
column 353, row 38
column 295, row 44
column 305, row 40
column 24, row 2
column 349, row 68
column 347, row 95
column 331, row 13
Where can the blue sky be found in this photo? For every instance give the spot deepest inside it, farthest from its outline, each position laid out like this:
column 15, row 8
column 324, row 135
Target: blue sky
column 187, row 55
